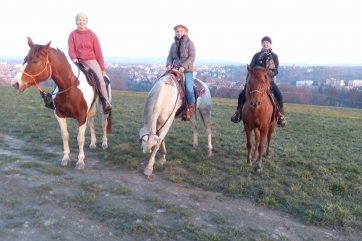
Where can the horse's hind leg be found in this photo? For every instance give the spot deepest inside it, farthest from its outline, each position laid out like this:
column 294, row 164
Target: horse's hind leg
column 104, row 129
column 269, row 137
column 206, row 119
column 81, row 139
column 209, row 136
column 65, row 137
column 164, row 152
column 92, row 130
column 195, row 134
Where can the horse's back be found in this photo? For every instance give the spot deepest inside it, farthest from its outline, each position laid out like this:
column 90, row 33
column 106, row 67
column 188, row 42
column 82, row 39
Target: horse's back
column 204, row 100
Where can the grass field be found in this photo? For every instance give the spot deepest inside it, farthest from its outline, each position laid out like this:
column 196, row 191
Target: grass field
column 314, row 173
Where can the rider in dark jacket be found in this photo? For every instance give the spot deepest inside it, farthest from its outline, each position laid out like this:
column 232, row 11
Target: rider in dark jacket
column 268, row 59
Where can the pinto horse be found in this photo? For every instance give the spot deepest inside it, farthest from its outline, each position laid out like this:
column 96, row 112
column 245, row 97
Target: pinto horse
column 257, row 114
column 161, row 106
column 73, row 96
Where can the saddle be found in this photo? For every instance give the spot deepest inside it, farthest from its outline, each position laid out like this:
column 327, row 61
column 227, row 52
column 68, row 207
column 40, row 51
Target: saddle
column 91, row 76
column 199, row 89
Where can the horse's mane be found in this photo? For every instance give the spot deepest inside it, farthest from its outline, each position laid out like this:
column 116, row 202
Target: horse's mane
column 258, row 71
column 153, row 96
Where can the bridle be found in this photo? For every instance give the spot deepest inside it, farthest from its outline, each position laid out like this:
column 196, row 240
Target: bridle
column 32, row 76
column 149, row 134
column 42, row 92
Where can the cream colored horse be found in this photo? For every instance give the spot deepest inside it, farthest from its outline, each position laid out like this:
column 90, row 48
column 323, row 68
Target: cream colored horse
column 161, row 105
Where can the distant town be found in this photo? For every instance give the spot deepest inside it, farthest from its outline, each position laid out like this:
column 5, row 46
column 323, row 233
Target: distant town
column 320, row 85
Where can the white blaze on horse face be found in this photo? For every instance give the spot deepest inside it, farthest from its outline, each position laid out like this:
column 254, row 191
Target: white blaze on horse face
column 17, row 82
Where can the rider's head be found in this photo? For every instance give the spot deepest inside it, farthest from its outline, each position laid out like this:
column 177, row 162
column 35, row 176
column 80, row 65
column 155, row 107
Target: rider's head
column 180, row 30
column 266, row 43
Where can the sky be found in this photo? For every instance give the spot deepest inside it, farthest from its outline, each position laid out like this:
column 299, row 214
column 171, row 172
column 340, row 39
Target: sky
column 302, row 31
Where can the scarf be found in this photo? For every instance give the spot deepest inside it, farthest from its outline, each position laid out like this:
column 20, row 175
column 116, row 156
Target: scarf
column 178, row 44
column 267, row 55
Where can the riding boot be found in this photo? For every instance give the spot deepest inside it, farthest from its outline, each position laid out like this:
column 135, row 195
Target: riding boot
column 282, row 121
column 105, row 104
column 190, row 110
column 236, row 117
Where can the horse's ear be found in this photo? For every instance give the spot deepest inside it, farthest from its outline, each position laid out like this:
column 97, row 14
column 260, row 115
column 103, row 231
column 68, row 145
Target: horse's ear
column 48, row 45
column 248, row 67
column 30, row 42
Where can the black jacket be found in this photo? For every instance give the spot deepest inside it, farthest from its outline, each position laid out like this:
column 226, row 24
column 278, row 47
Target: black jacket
column 263, row 59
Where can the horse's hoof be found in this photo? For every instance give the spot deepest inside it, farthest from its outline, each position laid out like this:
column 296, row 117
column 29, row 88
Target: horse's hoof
column 64, row 162
column 104, row 146
column 194, row 149
column 162, row 161
column 79, row 166
column 210, row 154
column 148, row 171
column 92, row 146
column 259, row 169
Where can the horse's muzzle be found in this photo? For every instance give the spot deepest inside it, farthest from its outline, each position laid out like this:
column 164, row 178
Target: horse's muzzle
column 16, row 86
column 255, row 104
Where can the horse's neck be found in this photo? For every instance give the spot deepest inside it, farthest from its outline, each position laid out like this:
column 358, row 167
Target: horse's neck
column 62, row 76
column 154, row 107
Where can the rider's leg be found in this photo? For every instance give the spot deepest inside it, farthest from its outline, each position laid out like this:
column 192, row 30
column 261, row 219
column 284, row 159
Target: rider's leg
column 190, row 95
column 236, row 117
column 278, row 95
column 103, row 94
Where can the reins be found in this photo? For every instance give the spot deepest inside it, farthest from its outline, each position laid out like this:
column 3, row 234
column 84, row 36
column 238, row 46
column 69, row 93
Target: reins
column 177, row 97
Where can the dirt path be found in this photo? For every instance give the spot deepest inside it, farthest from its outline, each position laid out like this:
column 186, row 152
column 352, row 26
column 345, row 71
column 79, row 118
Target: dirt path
column 103, row 203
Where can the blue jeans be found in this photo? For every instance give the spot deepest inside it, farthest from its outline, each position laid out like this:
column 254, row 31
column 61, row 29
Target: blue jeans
column 190, row 82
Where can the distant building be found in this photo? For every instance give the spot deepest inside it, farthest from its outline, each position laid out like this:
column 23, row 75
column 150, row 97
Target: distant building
column 300, row 83
column 354, row 83
column 335, row 82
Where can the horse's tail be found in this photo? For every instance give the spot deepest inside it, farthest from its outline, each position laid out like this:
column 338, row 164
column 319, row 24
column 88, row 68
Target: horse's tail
column 109, row 123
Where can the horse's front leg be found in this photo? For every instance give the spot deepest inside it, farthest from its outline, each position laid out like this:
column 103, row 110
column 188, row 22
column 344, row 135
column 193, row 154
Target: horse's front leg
column 65, row 137
column 149, row 168
column 259, row 161
column 93, row 143
column 257, row 142
column 164, row 152
column 81, row 139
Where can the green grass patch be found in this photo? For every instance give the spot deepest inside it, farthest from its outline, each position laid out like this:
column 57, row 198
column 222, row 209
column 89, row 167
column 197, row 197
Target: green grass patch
column 314, row 172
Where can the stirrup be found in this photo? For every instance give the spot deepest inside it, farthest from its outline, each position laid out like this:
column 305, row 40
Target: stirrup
column 236, row 117
column 281, row 121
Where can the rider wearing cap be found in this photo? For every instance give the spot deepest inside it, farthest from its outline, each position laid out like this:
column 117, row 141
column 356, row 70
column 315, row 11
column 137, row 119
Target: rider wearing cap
column 266, row 58
column 182, row 56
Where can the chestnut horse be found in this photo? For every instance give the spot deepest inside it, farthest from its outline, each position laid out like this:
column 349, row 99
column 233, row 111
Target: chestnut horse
column 257, row 114
column 160, row 109
column 73, row 96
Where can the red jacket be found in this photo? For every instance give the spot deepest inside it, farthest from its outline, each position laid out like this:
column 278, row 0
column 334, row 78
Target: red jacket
column 84, row 45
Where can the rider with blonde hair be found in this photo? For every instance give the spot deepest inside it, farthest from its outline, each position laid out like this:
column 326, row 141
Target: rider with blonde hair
column 84, row 48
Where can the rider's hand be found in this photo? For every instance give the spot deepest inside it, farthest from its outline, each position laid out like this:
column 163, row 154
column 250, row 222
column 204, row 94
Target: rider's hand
column 104, row 73
column 168, row 67
column 75, row 61
column 181, row 69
